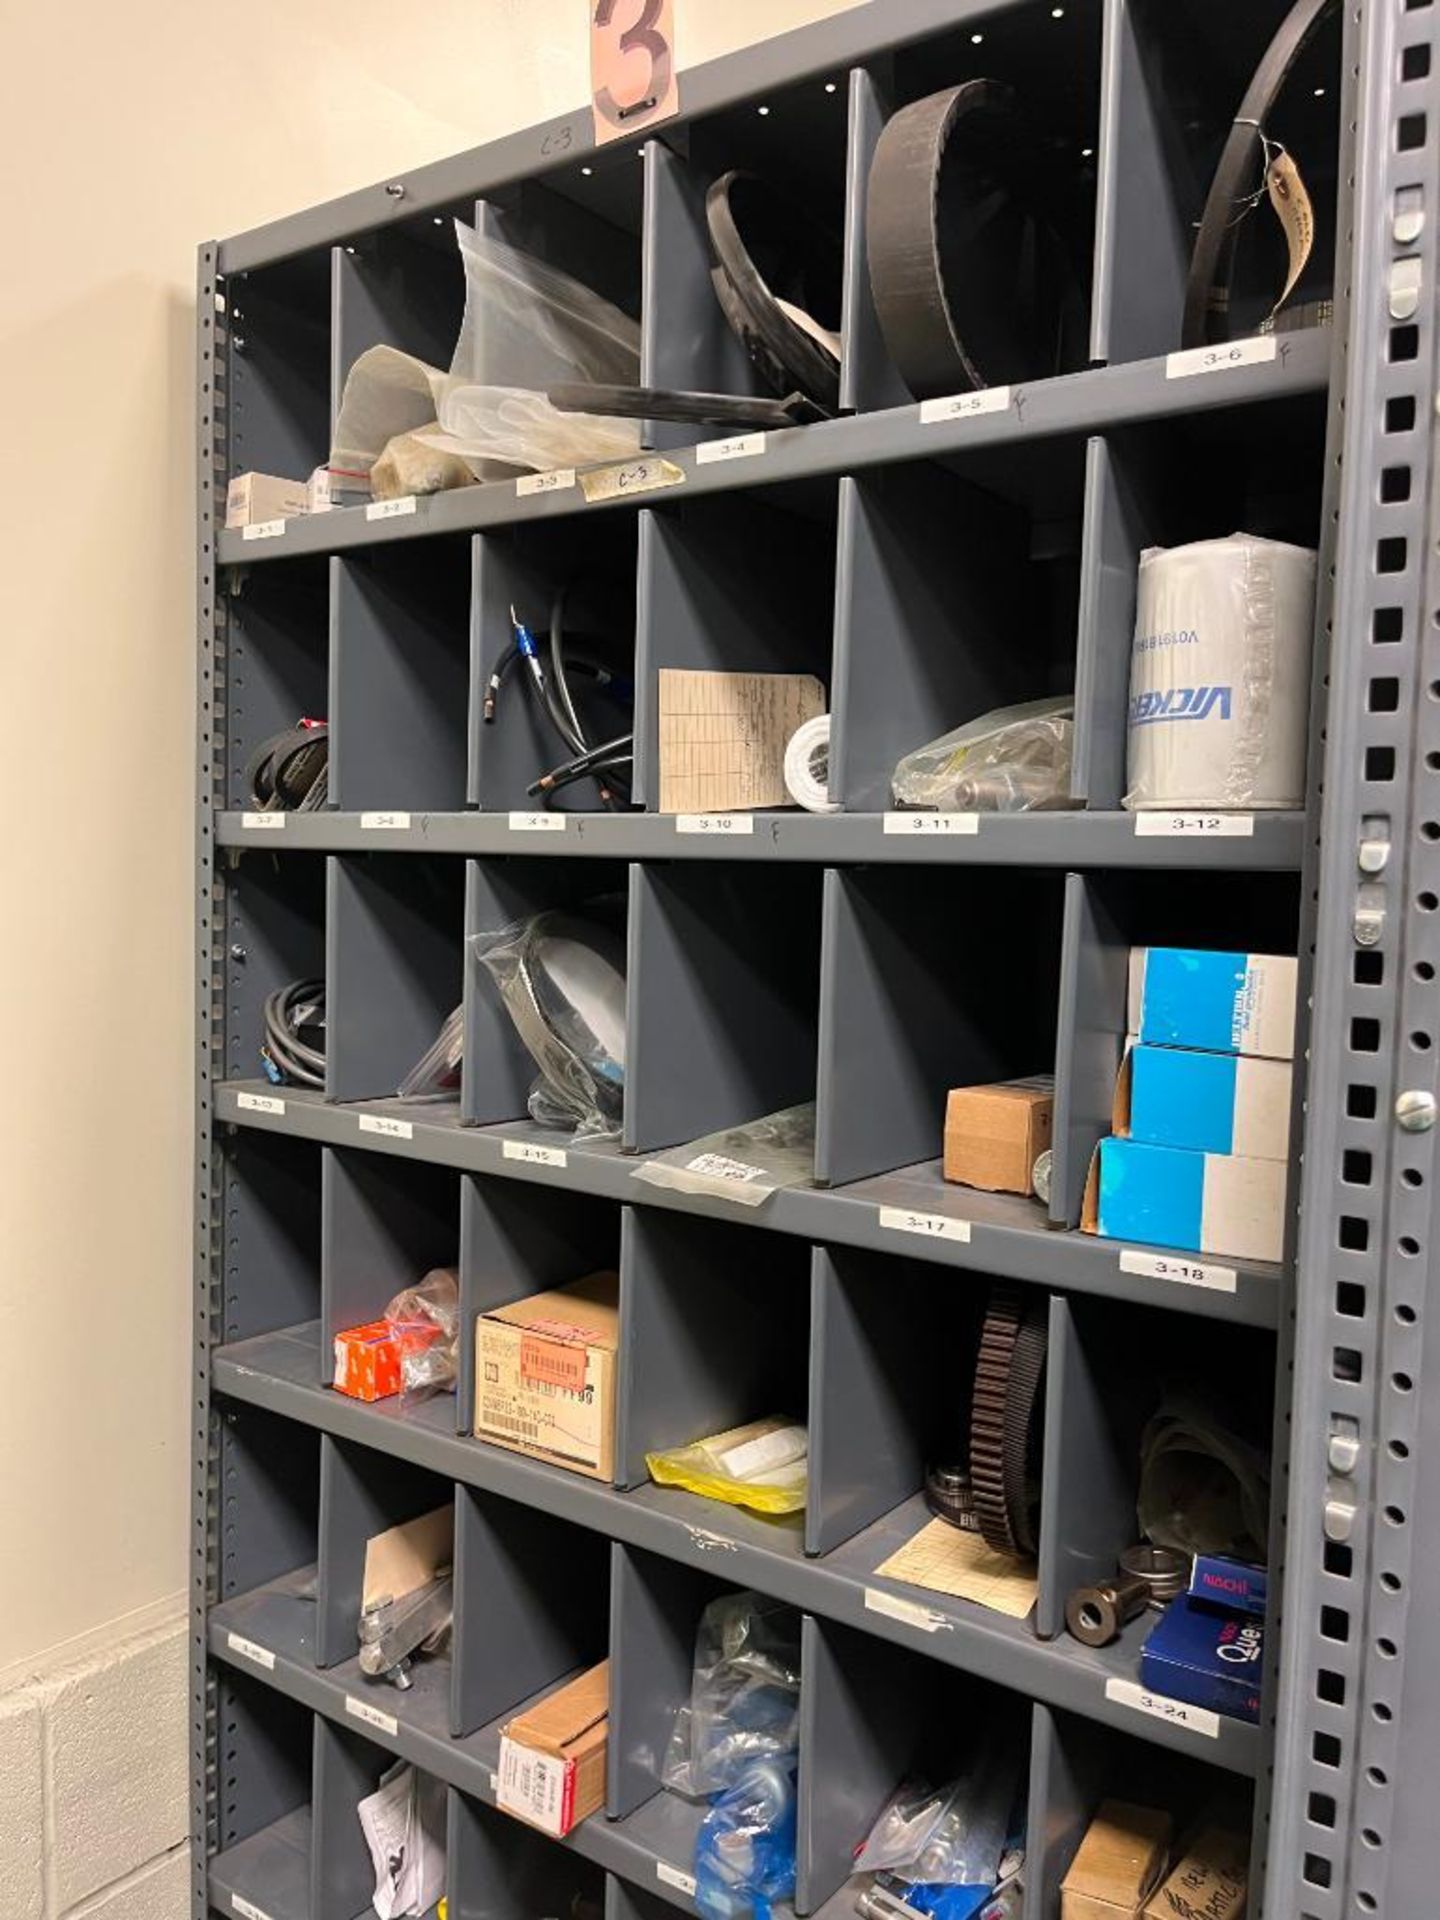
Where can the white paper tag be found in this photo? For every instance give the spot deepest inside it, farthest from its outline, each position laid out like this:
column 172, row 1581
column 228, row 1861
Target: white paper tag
column 382, row 1123
column 894, row 1608
column 533, row 1155
column 372, row 1716
column 932, row 823
column 1216, row 359
column 1194, row 826
column 534, row 1786
column 391, row 509
column 248, row 1650
column 753, row 1458
column 733, row 825
column 263, row 530
column 558, row 480
column 262, row 822
column 719, row 1166
column 674, row 1877
column 541, row 822
column 960, row 406
column 1129, row 1693
column 740, row 446
column 934, row 1226
column 245, row 1909
column 1174, row 1266
column 259, row 1103
column 385, row 822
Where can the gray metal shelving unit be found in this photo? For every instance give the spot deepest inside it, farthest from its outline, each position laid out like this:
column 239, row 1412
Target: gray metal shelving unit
column 816, row 956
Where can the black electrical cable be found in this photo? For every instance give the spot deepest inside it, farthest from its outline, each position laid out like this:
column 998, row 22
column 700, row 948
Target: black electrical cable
column 608, row 762
column 288, row 1013
column 290, row 772
column 768, row 251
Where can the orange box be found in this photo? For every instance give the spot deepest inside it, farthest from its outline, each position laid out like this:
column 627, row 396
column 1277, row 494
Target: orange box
column 368, row 1359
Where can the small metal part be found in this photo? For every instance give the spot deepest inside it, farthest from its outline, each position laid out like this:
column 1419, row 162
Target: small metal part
column 1344, row 1448
column 1415, row 1110
column 1041, row 1174
column 393, row 1631
column 395, row 190
column 949, row 1496
column 1095, row 1615
column 1165, row 1572
column 1374, row 853
column 1339, row 1510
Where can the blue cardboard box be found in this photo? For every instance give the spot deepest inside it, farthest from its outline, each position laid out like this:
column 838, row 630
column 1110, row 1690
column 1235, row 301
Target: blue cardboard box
column 1205, row 1658
column 1208, row 1102
column 1217, row 1002
column 1197, row 1202
column 1229, row 1583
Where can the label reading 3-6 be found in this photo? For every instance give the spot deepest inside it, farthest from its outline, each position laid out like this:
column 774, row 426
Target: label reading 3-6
column 1219, row 358
column 934, row 1226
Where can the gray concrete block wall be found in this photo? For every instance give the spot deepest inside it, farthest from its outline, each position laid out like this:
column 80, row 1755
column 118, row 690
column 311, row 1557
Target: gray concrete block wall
column 94, row 1793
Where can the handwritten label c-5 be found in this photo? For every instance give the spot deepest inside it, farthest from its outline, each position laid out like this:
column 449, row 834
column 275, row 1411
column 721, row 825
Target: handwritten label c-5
column 630, row 477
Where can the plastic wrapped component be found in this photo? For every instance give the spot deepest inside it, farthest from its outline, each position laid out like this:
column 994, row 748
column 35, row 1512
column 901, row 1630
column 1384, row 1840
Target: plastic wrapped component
column 1013, row 760
column 522, row 429
column 386, row 393
column 437, row 1072
column 763, row 1465
column 746, row 1163
column 410, row 465
column 433, row 1302
column 745, row 1850
column 1203, row 1487
column 562, row 979
column 951, row 1836
column 744, row 1695
column 1220, row 675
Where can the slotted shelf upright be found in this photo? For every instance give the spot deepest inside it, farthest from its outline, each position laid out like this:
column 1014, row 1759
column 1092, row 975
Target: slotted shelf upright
column 818, row 956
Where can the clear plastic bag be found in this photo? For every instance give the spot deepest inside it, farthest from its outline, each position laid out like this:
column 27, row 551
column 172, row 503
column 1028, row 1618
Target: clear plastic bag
column 1203, row 1487
column 437, row 1072
column 410, row 465
column 745, row 1850
column 386, row 393
column 1013, row 760
column 521, row 429
column 433, row 1302
column 763, row 1465
column 744, row 1695
column 561, row 977
column 952, row 1836
column 745, row 1164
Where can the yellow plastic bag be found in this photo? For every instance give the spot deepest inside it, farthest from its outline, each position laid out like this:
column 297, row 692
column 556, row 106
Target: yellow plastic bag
column 763, row 1466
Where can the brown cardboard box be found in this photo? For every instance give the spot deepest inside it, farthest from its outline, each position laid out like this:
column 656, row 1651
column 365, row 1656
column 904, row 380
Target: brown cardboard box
column 994, row 1135
column 545, row 1375
column 252, row 499
column 1211, row 1882
column 552, row 1756
column 1118, row 1863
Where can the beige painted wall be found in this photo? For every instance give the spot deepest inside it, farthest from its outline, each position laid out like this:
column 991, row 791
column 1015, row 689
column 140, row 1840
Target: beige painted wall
column 128, row 134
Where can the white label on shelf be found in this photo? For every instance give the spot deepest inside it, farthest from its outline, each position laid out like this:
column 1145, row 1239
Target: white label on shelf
column 935, row 1226
column 740, row 446
column 382, row 1123
column 630, row 477
column 675, row 1877
column 262, row 822
column 1174, row 1266
column 248, row 1650
column 1216, row 359
column 558, row 480
column 259, row 1103
column 263, row 530
column 541, row 822
column 391, row 509
column 932, row 823
column 719, row 1166
column 494, row 1783
column 533, row 1154
column 245, row 1909
column 960, row 406
column 372, row 1716
column 715, row 823
column 1130, row 1693
column 1194, row 826
column 894, row 1608
column 385, row 822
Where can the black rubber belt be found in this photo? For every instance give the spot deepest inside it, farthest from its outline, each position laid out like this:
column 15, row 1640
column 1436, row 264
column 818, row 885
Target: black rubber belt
column 1207, row 291
column 288, row 773
column 1008, row 1376
column 785, row 354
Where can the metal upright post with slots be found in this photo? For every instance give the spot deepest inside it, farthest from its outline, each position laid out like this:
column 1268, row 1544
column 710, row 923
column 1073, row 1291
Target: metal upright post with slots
column 924, row 563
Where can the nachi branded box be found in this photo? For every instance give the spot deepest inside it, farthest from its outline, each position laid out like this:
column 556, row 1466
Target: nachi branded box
column 1209, row 1102
column 1229, row 1583
column 1205, row 1658
column 1218, row 1002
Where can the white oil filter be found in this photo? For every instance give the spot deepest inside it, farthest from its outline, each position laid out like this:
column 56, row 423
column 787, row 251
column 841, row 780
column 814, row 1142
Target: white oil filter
column 1220, row 675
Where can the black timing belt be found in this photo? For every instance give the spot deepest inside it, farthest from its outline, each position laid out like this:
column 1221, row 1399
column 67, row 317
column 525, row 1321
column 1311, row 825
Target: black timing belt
column 1008, row 1377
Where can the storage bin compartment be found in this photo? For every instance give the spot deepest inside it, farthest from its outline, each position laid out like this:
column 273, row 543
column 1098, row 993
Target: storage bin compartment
column 348, row 1769
column 500, row 1869
column 279, row 366
column 738, row 583
column 277, row 662
column 273, row 1236
column 270, row 1502
column 395, row 967
column 577, row 575
column 582, row 217
column 400, row 674
column 927, row 983
column 263, row 1814
column 274, row 936
column 400, row 286
column 388, row 1223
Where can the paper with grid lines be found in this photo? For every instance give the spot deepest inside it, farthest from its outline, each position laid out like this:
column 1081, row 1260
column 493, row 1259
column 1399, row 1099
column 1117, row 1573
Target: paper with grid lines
column 948, row 1560
column 723, row 737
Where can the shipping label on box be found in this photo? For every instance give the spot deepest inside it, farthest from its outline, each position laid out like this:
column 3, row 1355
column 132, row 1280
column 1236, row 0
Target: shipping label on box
column 538, row 1787
column 545, row 1372
column 552, row 1755
column 1218, row 1002
column 1197, row 1202
column 1210, row 1102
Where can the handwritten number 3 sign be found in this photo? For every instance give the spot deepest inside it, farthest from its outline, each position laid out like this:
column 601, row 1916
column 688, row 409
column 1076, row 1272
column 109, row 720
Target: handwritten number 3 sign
column 632, row 65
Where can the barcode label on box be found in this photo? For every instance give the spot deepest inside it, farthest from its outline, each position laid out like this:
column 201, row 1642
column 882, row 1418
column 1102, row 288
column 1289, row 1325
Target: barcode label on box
column 541, row 822
column 262, row 822
column 1194, row 826
column 259, row 1103
column 391, row 509
column 894, row 1608
column 557, row 480
column 249, row 1650
column 932, row 823
column 372, row 1716
column 385, row 822
column 382, row 1123
column 264, row 530
column 246, row 1910
column 510, row 1423
column 719, row 824
column 1175, row 1267
column 533, row 1155
column 1218, row 359
column 934, row 1226
column 961, row 406
column 539, row 1787
column 740, row 446
column 675, row 1877
column 1129, row 1693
